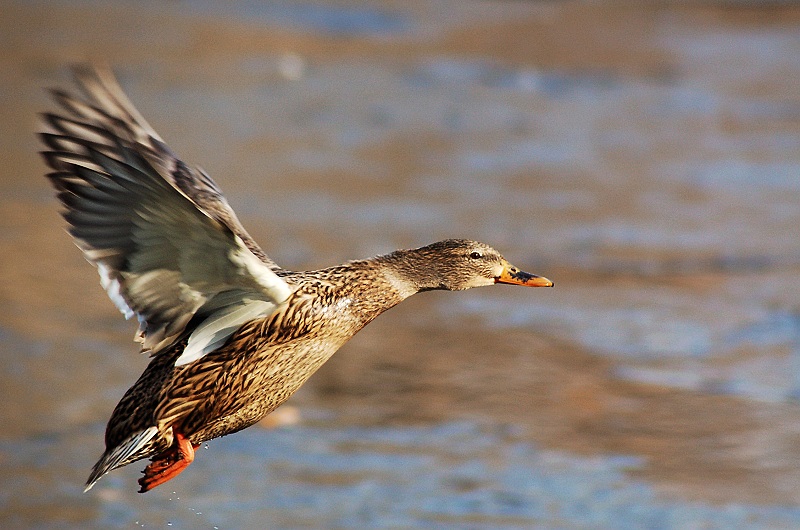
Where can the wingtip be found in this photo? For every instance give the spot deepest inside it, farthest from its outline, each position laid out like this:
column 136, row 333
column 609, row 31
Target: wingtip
column 84, row 70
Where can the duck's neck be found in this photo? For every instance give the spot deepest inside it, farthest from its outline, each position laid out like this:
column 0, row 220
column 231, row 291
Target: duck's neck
column 410, row 272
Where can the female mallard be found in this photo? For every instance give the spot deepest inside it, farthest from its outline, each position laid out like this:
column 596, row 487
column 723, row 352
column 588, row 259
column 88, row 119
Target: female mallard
column 232, row 335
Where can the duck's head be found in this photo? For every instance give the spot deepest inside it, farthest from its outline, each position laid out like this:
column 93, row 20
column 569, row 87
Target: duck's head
column 458, row 264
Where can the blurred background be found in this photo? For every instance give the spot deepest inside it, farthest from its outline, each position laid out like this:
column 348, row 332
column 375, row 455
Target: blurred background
column 644, row 156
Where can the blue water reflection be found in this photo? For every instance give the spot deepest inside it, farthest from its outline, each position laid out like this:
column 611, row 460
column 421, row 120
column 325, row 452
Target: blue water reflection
column 453, row 475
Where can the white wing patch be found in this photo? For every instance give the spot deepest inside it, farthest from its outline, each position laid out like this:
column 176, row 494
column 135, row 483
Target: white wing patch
column 112, row 287
column 220, row 325
column 273, row 285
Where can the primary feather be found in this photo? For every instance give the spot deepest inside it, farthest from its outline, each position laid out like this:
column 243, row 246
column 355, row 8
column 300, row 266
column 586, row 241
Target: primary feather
column 164, row 240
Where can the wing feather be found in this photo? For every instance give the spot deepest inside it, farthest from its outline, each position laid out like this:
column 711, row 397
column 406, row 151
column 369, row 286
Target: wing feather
column 165, row 241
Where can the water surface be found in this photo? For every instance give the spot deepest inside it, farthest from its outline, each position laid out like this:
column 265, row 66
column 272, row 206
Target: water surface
column 644, row 158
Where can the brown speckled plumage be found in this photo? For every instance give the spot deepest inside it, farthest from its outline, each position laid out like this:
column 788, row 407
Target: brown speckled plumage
column 231, row 334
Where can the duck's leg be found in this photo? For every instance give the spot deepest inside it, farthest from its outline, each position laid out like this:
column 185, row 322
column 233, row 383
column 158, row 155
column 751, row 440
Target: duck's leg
column 168, row 464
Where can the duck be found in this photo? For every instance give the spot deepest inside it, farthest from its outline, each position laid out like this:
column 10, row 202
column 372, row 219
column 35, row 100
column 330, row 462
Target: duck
column 230, row 334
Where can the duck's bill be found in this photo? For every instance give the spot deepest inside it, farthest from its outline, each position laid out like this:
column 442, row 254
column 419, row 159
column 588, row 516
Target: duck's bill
column 514, row 276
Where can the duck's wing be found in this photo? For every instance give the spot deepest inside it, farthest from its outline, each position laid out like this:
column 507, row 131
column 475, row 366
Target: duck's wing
column 165, row 241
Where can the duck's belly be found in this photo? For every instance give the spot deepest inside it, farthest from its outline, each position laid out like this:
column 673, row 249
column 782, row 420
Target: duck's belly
column 258, row 387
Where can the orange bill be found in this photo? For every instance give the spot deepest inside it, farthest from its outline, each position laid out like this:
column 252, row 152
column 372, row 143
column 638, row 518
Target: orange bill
column 514, row 276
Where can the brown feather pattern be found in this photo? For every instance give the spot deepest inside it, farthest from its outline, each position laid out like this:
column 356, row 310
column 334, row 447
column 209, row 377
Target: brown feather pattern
column 131, row 203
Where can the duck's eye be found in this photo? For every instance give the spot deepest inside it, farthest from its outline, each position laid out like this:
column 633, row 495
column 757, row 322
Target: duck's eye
column 475, row 255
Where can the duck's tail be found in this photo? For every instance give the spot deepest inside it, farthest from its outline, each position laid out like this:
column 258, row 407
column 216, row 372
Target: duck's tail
column 120, row 455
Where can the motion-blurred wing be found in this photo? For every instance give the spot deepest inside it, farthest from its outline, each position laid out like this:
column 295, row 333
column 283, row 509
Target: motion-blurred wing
column 165, row 241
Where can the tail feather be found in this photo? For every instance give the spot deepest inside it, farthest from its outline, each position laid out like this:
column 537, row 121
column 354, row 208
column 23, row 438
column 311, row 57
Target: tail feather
column 120, row 455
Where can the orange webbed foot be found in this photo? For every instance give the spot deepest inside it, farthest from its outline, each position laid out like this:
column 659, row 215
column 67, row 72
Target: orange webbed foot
column 168, row 464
